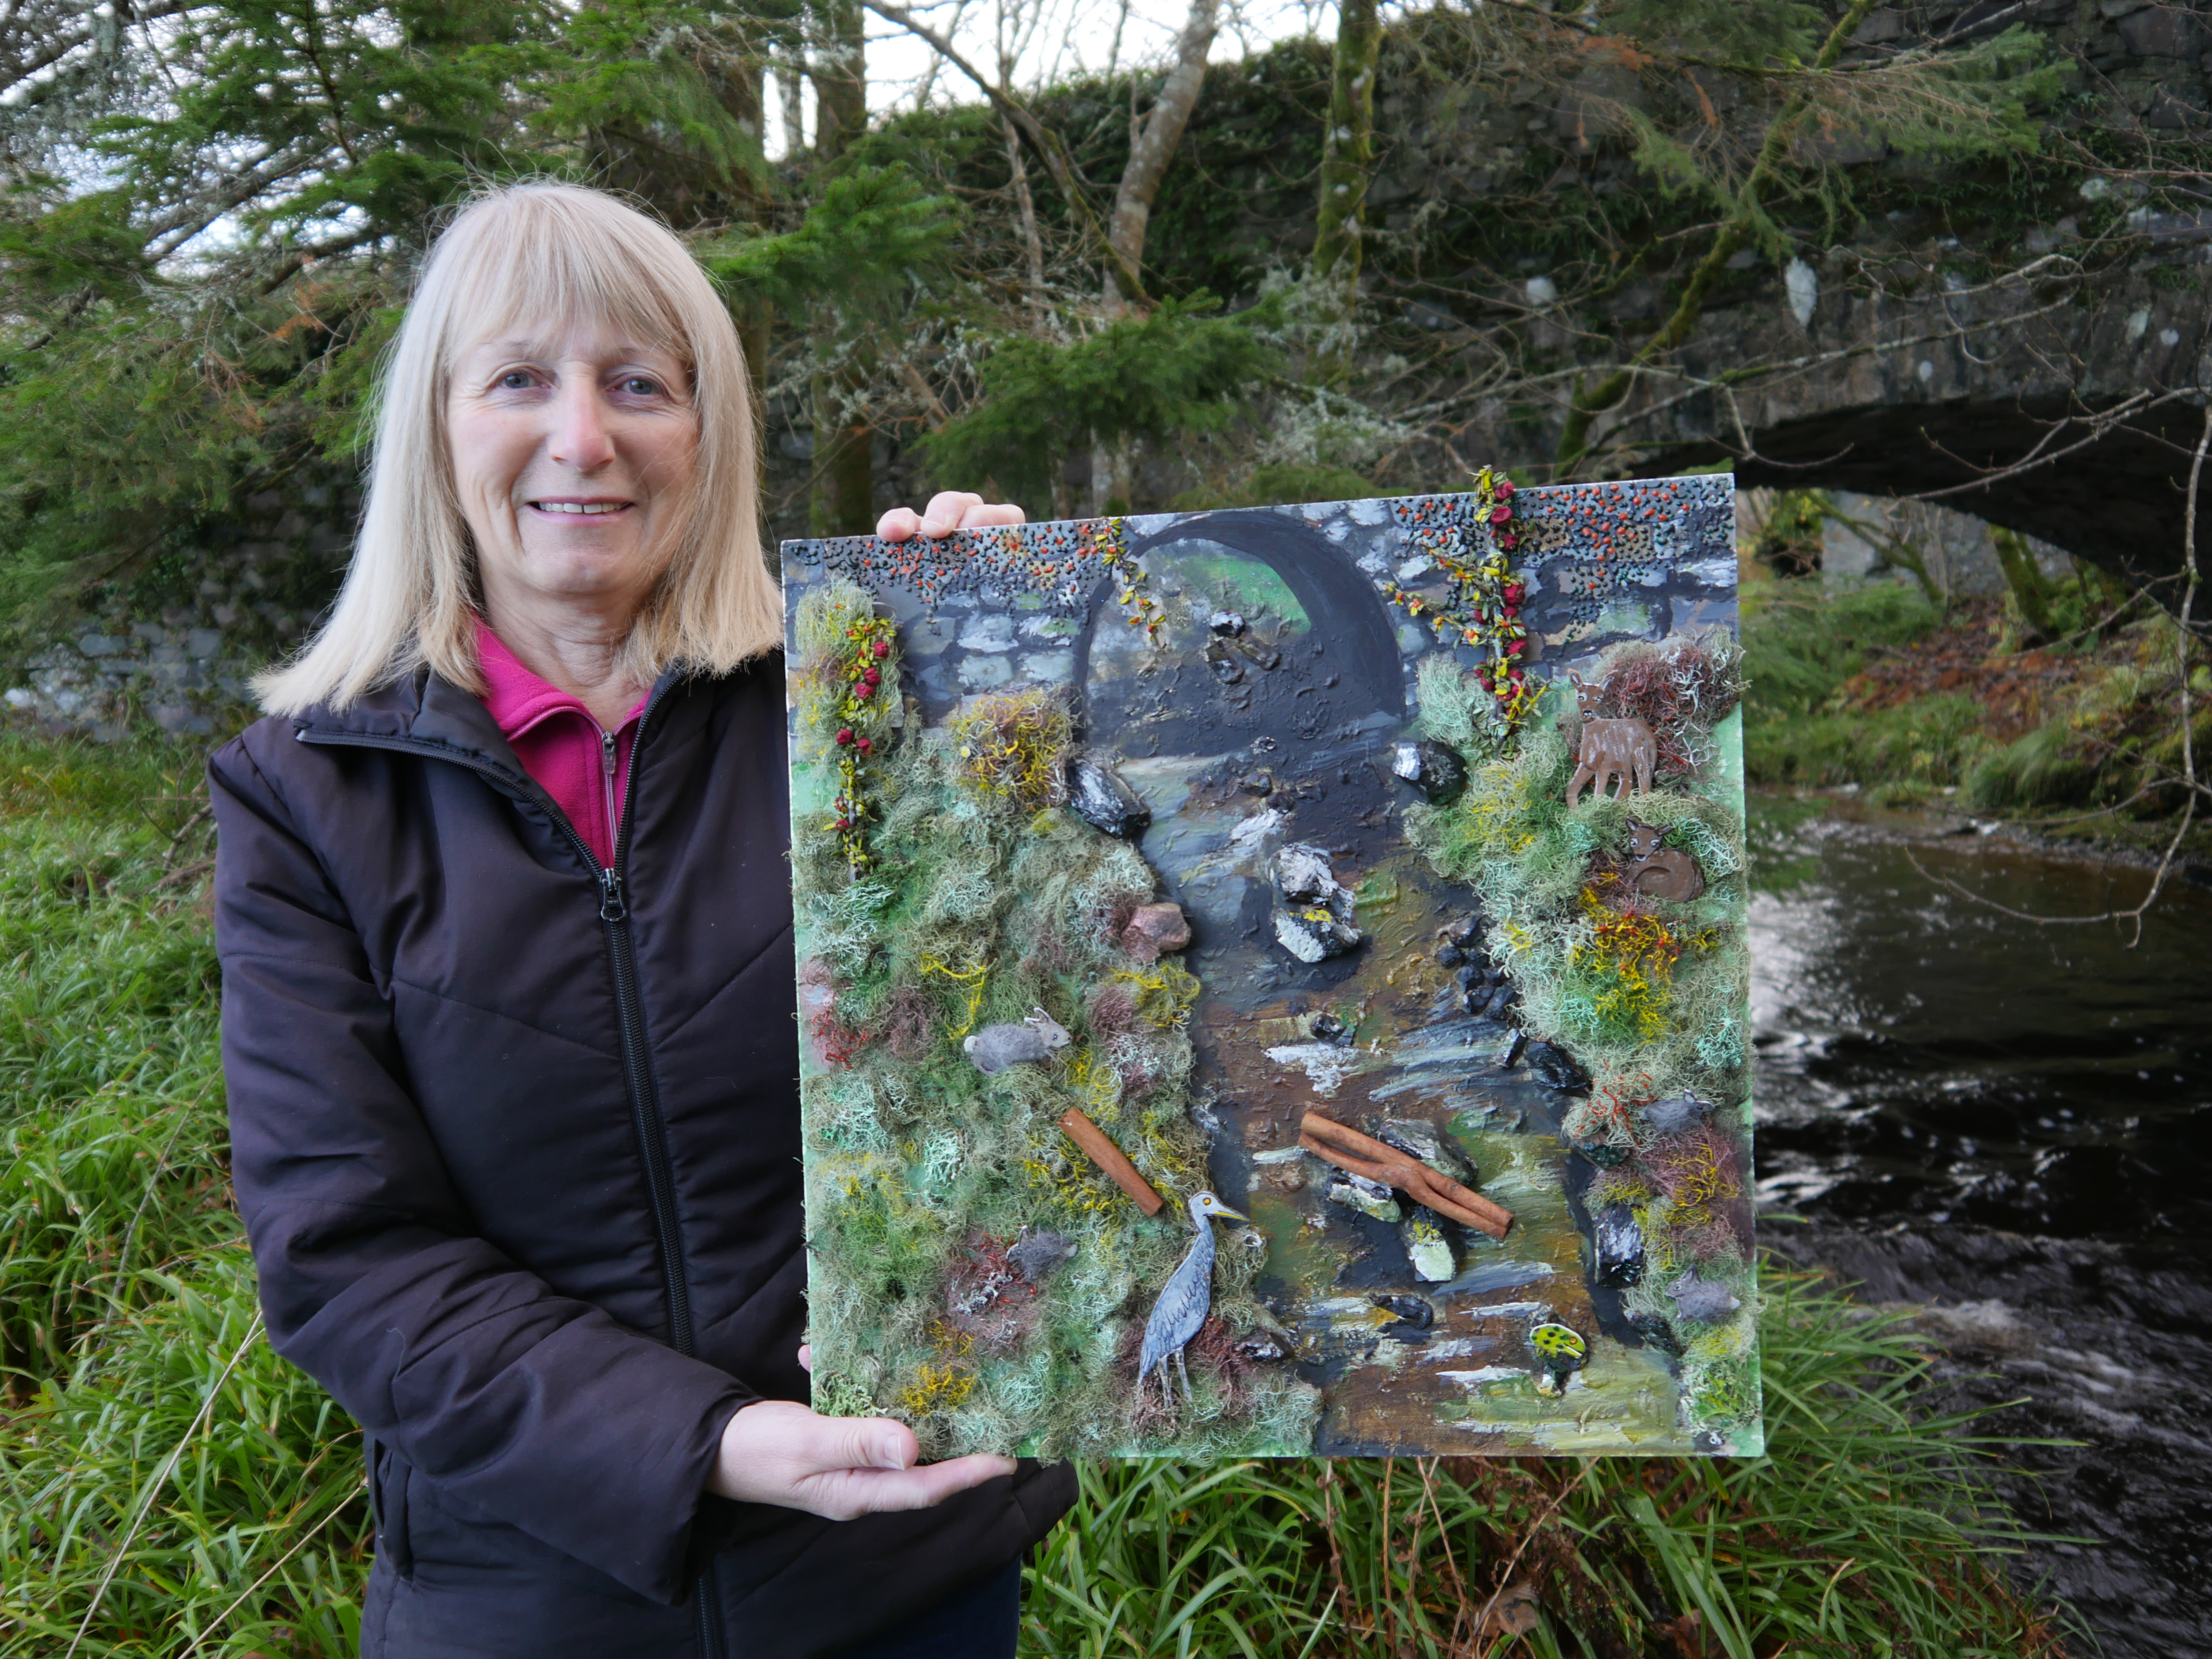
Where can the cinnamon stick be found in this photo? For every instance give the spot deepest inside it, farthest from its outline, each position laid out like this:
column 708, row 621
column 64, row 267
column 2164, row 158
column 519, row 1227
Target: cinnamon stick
column 1109, row 1158
column 1360, row 1155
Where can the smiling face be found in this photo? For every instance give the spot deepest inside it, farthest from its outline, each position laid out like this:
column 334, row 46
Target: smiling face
column 572, row 455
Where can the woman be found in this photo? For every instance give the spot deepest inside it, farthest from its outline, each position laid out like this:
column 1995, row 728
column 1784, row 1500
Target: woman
column 505, row 925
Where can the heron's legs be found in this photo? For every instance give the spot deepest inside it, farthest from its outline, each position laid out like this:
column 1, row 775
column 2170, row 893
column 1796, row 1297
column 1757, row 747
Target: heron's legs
column 1182, row 1368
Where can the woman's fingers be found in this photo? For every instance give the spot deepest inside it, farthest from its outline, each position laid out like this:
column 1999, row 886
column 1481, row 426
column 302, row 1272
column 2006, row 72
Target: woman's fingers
column 806, row 1358
column 777, row 1452
column 948, row 510
column 841, row 1494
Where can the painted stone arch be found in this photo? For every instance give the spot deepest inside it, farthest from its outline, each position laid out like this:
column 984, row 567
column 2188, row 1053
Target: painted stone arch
column 1345, row 669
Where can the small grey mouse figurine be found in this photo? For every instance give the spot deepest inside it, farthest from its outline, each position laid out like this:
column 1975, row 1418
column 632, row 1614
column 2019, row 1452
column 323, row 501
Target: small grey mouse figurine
column 997, row 1047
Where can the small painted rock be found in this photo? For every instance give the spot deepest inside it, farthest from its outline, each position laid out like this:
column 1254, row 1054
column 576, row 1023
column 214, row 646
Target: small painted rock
column 1655, row 1334
column 1432, row 767
column 1255, row 650
column 1368, row 1197
column 1037, row 1252
column 1617, row 1248
column 1102, row 798
column 1226, row 668
column 1466, row 933
column 1156, row 929
column 1427, row 1248
column 997, row 1047
column 1303, row 872
column 1510, row 1050
column 1226, row 625
column 1603, row 1153
column 1676, row 1115
column 1555, row 1070
column 1415, row 1310
column 1262, row 1350
column 1315, row 935
column 1419, row 1138
column 1699, row 1298
column 1328, row 1028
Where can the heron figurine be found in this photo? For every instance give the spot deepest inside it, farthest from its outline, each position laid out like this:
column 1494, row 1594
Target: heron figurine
column 1185, row 1300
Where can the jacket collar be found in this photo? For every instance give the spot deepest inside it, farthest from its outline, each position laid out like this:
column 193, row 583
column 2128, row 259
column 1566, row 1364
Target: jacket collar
column 426, row 710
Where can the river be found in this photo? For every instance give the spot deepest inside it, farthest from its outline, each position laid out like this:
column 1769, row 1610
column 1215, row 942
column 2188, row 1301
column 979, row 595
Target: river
column 2012, row 1123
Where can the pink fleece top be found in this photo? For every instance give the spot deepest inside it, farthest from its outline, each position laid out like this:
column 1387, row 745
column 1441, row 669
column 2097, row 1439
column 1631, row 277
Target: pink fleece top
column 584, row 768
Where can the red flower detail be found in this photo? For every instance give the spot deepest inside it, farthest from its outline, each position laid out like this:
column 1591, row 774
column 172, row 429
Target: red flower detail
column 864, row 691
column 844, row 823
column 864, row 746
column 883, row 649
column 844, row 735
column 1501, row 513
column 1502, row 490
column 1508, row 540
column 1513, row 647
column 1513, row 592
column 873, row 676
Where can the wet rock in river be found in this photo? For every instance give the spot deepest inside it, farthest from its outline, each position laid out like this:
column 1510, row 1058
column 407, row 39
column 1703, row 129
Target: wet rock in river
column 1417, row 1138
column 1315, row 935
column 1509, row 1052
column 1414, row 1310
column 1226, row 625
column 1554, row 1069
column 1225, row 668
column 1102, row 798
column 1255, row 650
column 1656, row 1333
column 1263, row 1350
column 1432, row 767
column 1368, row 1197
column 1616, row 1244
column 1427, row 1248
column 1328, row 1028
column 1302, row 871
column 1702, row 1299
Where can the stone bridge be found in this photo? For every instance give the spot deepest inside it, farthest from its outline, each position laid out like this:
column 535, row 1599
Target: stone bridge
column 2084, row 395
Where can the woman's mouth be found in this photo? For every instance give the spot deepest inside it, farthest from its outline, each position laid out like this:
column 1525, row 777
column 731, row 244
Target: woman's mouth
column 573, row 507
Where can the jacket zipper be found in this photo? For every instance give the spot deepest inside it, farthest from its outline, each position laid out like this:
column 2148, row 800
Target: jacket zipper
column 614, row 915
column 637, row 1068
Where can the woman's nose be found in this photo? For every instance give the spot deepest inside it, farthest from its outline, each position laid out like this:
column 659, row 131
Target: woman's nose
column 581, row 439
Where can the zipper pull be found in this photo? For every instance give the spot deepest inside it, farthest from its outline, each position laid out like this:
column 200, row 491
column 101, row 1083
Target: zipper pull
column 607, row 754
column 611, row 907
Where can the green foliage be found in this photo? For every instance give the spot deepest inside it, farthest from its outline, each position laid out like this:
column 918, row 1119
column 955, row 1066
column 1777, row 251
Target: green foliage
column 1800, row 643
column 1863, row 1529
column 1281, row 481
column 1182, row 369
column 874, row 230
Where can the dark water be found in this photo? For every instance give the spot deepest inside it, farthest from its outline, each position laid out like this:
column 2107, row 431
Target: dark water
column 2009, row 1126
column 1924, row 1058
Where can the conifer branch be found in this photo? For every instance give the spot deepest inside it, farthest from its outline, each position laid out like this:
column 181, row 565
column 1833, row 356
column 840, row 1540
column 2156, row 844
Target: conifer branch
column 1574, row 440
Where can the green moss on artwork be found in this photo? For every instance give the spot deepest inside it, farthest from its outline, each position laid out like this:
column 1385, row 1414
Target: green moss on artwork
column 1646, row 993
column 983, row 900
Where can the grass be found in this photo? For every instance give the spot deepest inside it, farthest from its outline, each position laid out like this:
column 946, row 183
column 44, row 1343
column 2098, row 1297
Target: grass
column 169, row 1487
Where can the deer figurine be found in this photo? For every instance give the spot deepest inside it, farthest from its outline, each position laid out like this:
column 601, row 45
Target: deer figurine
column 1655, row 870
column 1612, row 749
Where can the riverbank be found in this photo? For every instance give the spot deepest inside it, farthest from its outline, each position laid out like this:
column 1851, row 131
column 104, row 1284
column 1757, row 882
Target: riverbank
column 168, row 1486
column 2074, row 736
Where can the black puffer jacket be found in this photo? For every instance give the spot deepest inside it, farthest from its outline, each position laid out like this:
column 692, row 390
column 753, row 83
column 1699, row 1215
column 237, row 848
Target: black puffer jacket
column 517, row 1143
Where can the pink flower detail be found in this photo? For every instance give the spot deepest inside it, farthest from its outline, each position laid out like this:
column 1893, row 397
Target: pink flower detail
column 1501, row 513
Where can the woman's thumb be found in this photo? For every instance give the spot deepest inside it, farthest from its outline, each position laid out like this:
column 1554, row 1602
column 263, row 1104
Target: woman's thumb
column 879, row 1443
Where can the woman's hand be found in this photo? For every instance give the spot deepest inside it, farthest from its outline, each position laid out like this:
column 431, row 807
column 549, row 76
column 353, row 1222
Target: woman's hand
column 777, row 1452
column 948, row 510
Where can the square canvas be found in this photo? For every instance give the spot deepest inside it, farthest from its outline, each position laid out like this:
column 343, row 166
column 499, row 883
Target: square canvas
column 1272, row 981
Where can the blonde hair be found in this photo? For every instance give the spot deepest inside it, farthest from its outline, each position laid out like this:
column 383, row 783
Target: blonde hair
column 528, row 253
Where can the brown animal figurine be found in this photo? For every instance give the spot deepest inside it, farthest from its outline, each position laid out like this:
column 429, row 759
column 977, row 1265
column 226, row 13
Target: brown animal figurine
column 1612, row 749
column 1657, row 871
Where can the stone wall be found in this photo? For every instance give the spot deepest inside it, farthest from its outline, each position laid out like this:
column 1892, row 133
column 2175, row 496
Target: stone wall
column 263, row 579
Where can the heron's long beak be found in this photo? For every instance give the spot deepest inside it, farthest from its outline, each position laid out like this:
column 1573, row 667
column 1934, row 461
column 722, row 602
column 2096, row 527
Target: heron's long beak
column 1224, row 1213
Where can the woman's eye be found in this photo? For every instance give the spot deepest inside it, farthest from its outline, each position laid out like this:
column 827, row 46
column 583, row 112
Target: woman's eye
column 515, row 380
column 638, row 385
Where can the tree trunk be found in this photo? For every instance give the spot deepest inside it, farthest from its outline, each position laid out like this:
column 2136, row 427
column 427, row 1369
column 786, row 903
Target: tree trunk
column 1154, row 148
column 844, row 493
column 1347, row 156
column 2030, row 592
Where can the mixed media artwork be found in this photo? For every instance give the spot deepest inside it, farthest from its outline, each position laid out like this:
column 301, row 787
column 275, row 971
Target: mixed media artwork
column 1272, row 981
